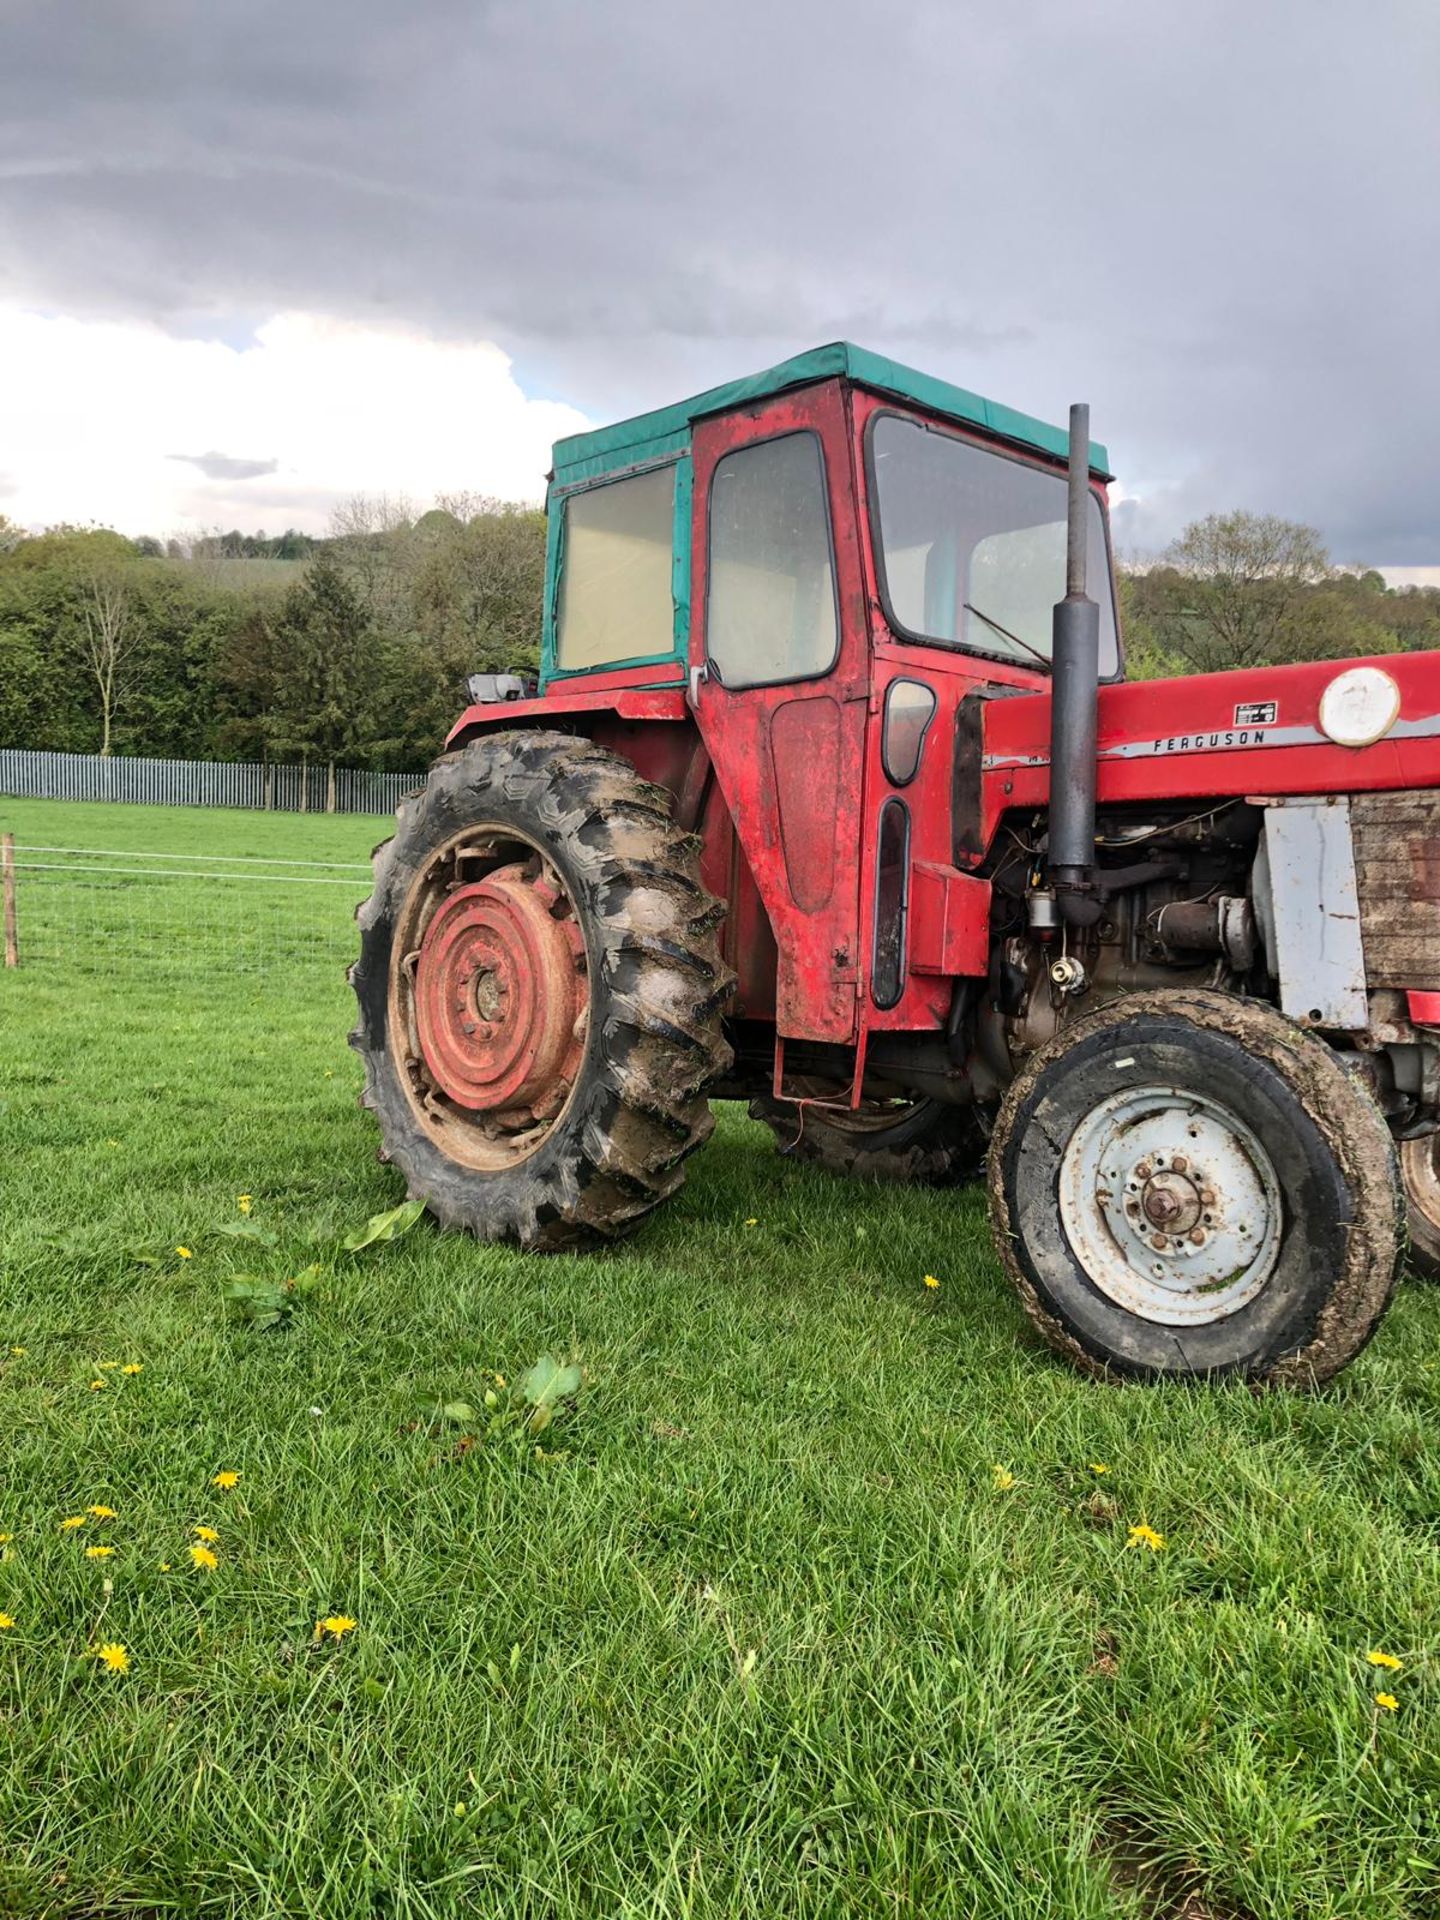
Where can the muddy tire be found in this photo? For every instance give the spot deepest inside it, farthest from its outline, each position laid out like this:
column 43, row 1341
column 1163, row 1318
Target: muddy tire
column 1420, row 1170
column 540, row 993
column 923, row 1143
column 1185, row 1185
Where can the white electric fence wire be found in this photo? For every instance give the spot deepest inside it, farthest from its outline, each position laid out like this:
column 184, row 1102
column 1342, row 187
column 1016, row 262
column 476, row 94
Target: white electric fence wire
column 98, row 913
column 183, row 873
column 251, row 859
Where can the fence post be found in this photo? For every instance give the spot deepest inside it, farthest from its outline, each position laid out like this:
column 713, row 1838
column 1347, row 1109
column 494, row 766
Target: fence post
column 330, row 788
column 12, row 935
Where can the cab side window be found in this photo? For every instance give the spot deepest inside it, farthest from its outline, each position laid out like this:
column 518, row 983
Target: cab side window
column 616, row 595
column 771, row 614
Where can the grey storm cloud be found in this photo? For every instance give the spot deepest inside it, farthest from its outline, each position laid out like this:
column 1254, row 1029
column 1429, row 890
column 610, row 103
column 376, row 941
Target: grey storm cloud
column 226, row 466
column 1219, row 223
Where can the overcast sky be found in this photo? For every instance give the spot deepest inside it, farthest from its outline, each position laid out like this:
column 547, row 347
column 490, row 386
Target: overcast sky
column 254, row 257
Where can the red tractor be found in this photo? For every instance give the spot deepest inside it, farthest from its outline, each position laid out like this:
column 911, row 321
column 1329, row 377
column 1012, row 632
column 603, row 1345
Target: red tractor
column 823, row 802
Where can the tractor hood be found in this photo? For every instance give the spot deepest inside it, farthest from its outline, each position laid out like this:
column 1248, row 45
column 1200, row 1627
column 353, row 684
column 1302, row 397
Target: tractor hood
column 1260, row 730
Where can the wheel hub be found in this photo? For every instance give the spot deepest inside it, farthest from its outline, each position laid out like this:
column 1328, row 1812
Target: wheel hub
column 500, row 995
column 1171, row 1201
column 1171, row 1205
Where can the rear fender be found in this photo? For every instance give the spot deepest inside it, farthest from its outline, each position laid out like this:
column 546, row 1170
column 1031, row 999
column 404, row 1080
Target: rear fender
column 653, row 729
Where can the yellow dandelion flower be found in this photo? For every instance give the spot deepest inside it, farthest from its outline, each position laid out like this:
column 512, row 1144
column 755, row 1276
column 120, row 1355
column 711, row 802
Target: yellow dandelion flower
column 18, row 1353
column 204, row 1558
column 75, row 1520
column 752, row 1221
column 164, row 1566
column 5, row 1539
column 1385, row 1660
column 134, row 1366
column 1098, row 1466
column 104, row 1366
column 5, row 1623
column 1143, row 1536
column 226, row 1480
column 103, row 1513
column 185, row 1253
column 1387, row 1701
column 500, row 1380
column 98, row 1553
column 114, row 1656
column 97, row 1386
column 931, row 1281
column 337, row 1625
column 1004, row 1479
column 207, row 1534
column 244, row 1201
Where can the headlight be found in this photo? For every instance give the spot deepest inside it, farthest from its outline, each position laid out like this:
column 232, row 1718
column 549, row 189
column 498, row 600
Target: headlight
column 1359, row 707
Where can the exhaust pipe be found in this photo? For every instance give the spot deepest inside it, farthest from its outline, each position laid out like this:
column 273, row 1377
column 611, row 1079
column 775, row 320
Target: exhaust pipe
column 1074, row 693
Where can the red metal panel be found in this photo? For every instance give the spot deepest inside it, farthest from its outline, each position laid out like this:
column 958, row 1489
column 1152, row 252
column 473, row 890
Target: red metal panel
column 635, row 703
column 780, row 802
column 949, row 920
column 1255, row 731
column 805, row 751
column 1424, row 1008
column 950, row 674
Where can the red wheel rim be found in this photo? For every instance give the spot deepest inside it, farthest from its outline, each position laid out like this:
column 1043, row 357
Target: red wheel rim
column 500, row 995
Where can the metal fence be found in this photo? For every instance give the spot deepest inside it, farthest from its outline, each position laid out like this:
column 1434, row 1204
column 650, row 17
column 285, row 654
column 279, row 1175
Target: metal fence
column 201, row 783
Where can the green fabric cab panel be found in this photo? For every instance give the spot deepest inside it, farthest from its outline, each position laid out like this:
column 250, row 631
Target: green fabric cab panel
column 618, row 572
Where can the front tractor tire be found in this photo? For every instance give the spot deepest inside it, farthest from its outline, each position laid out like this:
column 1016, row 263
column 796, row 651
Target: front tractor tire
column 1185, row 1185
column 540, row 993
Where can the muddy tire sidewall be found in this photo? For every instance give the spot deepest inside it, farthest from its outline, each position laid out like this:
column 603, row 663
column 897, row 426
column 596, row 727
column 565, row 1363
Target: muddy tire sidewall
column 1328, row 1146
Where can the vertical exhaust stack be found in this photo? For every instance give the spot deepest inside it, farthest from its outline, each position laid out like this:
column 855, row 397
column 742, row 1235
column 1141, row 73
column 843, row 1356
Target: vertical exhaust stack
column 1074, row 693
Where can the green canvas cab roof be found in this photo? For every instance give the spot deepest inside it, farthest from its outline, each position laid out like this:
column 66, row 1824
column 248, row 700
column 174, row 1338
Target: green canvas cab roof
column 650, row 436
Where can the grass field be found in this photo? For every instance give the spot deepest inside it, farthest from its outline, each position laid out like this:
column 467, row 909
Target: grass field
column 818, row 1602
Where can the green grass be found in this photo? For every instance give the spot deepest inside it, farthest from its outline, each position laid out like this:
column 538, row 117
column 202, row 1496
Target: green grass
column 766, row 1638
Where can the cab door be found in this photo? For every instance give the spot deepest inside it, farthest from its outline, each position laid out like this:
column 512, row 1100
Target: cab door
column 779, row 682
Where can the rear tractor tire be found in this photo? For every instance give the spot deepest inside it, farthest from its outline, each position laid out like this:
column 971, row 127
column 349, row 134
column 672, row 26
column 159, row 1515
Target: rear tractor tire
column 540, row 993
column 1184, row 1185
column 1420, row 1169
column 925, row 1143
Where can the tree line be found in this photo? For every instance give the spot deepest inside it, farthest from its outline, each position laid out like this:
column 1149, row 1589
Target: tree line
column 354, row 649
column 1251, row 590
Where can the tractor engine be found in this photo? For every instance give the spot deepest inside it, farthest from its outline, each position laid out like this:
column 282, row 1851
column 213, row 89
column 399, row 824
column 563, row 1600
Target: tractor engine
column 1173, row 908
column 1189, row 901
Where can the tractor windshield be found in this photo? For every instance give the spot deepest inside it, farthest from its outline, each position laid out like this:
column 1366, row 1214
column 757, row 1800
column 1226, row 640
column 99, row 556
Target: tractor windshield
column 971, row 545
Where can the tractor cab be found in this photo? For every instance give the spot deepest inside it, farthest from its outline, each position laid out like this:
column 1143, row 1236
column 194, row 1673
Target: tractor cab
column 831, row 565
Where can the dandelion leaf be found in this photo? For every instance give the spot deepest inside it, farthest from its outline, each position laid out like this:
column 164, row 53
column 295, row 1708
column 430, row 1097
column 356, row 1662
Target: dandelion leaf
column 384, row 1226
column 547, row 1382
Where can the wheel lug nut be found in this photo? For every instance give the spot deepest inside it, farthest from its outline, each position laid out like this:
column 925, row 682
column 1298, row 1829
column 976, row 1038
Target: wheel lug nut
column 1197, row 1236
column 1159, row 1242
column 1180, row 1163
column 1142, row 1172
column 1207, row 1196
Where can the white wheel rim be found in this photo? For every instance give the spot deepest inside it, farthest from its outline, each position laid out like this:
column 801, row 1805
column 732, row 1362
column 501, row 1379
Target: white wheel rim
column 1171, row 1205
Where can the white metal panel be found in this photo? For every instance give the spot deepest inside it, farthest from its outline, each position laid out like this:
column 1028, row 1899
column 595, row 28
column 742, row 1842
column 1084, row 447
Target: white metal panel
column 1315, row 913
